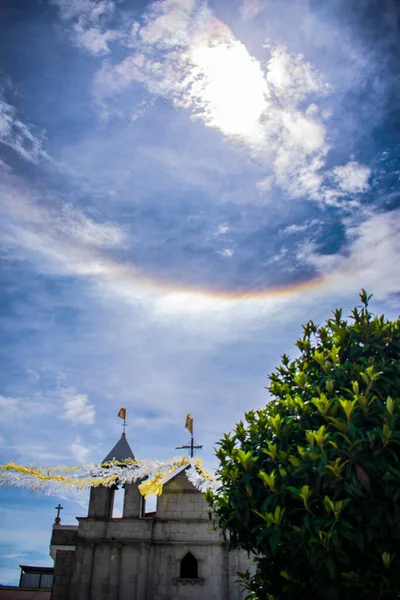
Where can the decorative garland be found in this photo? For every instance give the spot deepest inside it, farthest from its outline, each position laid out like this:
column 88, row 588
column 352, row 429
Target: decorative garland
column 152, row 474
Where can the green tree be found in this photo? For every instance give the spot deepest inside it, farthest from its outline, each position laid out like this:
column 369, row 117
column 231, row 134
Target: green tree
column 311, row 483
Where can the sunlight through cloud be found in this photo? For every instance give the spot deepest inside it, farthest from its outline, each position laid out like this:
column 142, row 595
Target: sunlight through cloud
column 226, row 87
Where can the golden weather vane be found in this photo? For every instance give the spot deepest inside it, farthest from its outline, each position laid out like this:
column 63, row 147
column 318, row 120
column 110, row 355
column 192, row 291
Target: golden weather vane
column 192, row 447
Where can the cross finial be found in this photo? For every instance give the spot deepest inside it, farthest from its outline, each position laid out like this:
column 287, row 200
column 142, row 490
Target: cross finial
column 58, row 509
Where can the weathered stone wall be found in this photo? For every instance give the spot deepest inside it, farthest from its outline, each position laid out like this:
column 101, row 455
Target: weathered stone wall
column 180, row 500
column 213, row 573
column 63, row 570
column 64, row 535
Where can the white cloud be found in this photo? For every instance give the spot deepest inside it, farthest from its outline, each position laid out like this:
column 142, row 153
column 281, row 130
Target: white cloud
column 291, row 77
column 278, row 257
column 4, row 166
column 24, row 532
column 94, row 40
column 80, row 452
column 77, row 225
column 226, row 252
column 369, row 259
column 90, row 10
column 167, row 23
column 266, row 184
column 76, row 408
column 33, row 452
column 250, row 9
column 295, row 228
column 352, row 177
column 89, row 19
column 52, row 229
column 17, row 135
column 23, row 407
column 223, row 228
column 8, row 405
column 13, row 555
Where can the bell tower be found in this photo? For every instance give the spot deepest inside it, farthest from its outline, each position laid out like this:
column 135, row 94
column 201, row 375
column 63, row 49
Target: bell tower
column 102, row 498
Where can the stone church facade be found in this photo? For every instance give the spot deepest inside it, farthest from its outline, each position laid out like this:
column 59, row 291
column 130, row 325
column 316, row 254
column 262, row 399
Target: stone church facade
column 172, row 553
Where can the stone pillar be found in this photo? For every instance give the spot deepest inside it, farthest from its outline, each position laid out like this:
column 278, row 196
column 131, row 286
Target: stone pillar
column 134, row 502
column 63, row 570
column 100, row 588
column 77, row 574
column 101, row 502
column 83, row 590
column 142, row 572
column 129, row 572
column 115, row 559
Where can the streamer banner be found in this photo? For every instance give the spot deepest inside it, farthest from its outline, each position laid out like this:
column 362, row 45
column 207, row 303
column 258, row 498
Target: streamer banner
column 151, row 474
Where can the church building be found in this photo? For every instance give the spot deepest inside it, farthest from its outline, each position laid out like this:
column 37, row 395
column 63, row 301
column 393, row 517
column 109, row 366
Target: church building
column 170, row 554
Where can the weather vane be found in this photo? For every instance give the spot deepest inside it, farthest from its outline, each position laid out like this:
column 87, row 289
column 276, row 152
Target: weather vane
column 122, row 415
column 192, row 447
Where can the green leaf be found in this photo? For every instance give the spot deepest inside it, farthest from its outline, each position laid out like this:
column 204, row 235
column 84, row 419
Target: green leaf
column 269, row 480
column 274, row 539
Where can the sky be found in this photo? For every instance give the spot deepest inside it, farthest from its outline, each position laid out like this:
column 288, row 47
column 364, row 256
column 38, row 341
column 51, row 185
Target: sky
column 183, row 184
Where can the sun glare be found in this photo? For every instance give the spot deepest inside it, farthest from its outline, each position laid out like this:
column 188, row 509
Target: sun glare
column 226, row 87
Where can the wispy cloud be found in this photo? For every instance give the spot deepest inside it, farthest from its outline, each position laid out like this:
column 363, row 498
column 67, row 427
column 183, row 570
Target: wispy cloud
column 222, row 229
column 91, row 10
column 53, row 229
column 352, row 177
column 18, row 135
column 250, row 9
column 89, row 23
column 8, row 405
column 296, row 228
column 226, row 252
column 24, row 407
column 368, row 259
column 24, row 534
column 33, row 452
column 80, row 452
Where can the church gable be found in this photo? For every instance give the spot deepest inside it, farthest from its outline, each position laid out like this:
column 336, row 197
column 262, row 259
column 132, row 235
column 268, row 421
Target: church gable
column 180, row 500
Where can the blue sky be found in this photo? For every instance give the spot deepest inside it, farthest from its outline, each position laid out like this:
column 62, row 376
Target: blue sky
column 182, row 185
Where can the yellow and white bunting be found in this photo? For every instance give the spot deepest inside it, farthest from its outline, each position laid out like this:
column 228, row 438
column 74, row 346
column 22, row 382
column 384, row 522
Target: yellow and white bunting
column 52, row 480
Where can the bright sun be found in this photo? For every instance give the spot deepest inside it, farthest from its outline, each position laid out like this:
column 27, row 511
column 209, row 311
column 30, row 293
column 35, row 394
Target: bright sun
column 226, row 87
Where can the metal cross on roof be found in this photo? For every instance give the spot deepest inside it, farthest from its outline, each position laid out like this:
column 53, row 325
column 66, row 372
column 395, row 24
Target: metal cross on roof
column 192, row 447
column 58, row 508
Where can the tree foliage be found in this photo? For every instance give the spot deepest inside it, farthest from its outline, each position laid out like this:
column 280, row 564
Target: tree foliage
column 311, row 483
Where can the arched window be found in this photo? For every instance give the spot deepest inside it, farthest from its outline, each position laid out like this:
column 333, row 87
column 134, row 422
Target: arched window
column 189, row 567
